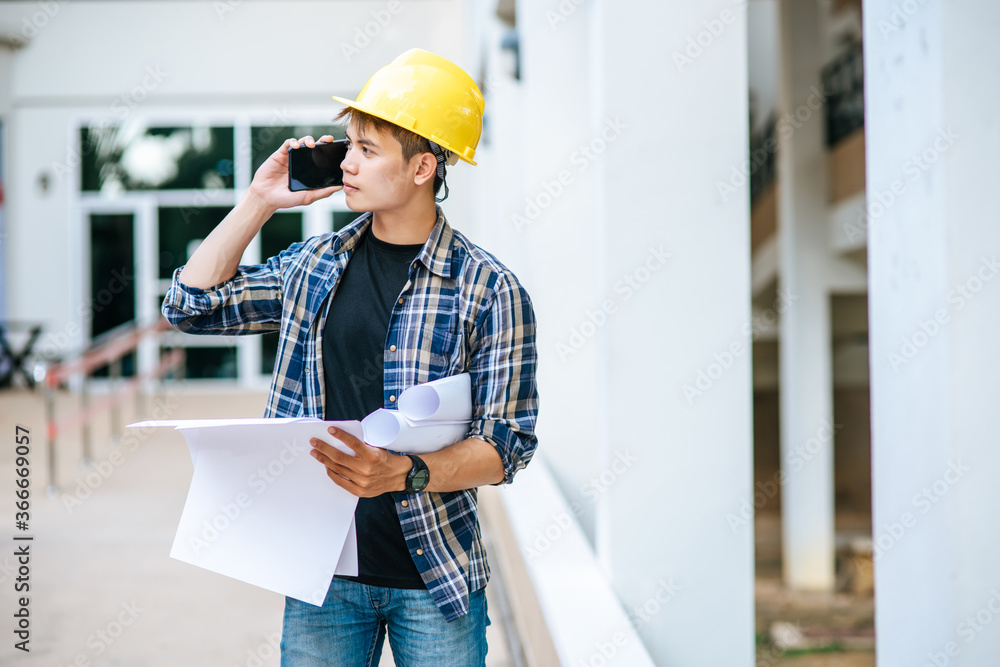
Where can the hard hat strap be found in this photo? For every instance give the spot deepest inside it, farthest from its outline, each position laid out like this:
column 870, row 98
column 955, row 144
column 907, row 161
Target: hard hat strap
column 442, row 157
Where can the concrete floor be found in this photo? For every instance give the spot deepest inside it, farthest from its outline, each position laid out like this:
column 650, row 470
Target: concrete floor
column 104, row 560
column 101, row 566
column 849, row 616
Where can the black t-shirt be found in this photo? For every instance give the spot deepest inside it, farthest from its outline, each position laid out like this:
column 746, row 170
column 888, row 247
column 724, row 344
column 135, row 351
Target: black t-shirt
column 353, row 349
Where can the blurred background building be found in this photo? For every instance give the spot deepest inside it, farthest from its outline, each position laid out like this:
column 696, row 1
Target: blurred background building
column 759, row 237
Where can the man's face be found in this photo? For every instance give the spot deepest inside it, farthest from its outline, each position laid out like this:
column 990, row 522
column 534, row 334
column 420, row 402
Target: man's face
column 376, row 177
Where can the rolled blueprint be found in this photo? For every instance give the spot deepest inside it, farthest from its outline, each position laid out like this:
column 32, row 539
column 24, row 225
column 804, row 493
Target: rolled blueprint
column 390, row 429
column 447, row 399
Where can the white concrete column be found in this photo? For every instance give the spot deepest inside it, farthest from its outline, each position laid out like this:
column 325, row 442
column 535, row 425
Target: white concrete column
column 806, row 385
column 495, row 183
column 6, row 56
column 673, row 260
column 933, row 137
column 554, row 221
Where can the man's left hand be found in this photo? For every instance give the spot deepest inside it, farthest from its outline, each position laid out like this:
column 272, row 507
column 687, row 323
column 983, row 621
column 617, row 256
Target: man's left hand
column 370, row 472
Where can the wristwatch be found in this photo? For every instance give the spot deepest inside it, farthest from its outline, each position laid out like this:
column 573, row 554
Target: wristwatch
column 419, row 476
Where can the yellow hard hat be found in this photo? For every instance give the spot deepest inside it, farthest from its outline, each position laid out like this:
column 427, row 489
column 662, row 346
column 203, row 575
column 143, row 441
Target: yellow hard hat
column 428, row 95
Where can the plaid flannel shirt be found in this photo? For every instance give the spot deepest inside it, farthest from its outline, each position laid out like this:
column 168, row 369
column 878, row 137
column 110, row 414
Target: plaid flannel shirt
column 460, row 311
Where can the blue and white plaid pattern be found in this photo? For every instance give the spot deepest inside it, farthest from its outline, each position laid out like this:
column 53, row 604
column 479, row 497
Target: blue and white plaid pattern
column 460, row 311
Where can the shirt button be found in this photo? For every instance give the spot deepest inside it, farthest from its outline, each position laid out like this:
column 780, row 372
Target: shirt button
column 400, row 301
column 405, row 503
column 392, row 348
column 392, row 399
column 307, row 371
column 420, row 552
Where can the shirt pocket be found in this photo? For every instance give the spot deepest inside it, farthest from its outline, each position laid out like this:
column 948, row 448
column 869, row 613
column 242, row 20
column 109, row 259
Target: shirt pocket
column 447, row 352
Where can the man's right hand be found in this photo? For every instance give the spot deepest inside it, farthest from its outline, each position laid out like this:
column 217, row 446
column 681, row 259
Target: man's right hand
column 218, row 256
column 270, row 183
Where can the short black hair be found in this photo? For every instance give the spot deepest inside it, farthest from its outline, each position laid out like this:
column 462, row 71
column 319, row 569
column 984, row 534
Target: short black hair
column 411, row 142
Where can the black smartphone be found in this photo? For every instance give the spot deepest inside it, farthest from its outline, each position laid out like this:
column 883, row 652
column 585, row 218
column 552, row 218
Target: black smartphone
column 316, row 168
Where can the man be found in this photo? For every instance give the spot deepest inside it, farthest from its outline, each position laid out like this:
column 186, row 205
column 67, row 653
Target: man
column 400, row 289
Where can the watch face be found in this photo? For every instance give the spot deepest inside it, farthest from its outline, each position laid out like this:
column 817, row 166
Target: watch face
column 420, row 479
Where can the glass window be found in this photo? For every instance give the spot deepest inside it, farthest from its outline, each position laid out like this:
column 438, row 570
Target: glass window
column 112, row 271
column 182, row 155
column 343, row 218
column 112, row 279
column 180, row 228
column 268, row 352
column 210, row 362
column 266, row 139
column 134, row 157
column 281, row 231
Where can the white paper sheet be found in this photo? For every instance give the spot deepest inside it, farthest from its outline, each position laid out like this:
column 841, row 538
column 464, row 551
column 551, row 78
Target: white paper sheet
column 348, row 563
column 392, row 430
column 260, row 509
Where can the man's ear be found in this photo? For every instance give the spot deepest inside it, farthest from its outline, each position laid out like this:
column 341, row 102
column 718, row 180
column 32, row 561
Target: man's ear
column 426, row 168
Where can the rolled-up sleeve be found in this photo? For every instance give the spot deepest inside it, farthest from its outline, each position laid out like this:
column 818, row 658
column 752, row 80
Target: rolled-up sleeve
column 502, row 368
column 249, row 302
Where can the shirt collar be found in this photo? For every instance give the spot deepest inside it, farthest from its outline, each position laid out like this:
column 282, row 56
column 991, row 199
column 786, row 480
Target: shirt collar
column 435, row 255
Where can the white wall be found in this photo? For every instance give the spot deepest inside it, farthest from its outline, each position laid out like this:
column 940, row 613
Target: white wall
column 932, row 138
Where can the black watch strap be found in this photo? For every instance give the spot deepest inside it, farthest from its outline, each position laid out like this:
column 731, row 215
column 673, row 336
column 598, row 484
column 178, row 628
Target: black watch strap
column 419, row 476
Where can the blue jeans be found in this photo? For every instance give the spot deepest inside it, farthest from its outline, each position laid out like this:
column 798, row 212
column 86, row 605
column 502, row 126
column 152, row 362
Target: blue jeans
column 350, row 627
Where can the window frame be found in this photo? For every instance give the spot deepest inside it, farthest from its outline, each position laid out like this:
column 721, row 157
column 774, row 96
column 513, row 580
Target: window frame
column 144, row 205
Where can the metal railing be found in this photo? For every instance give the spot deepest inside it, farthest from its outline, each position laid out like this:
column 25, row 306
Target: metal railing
column 109, row 352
